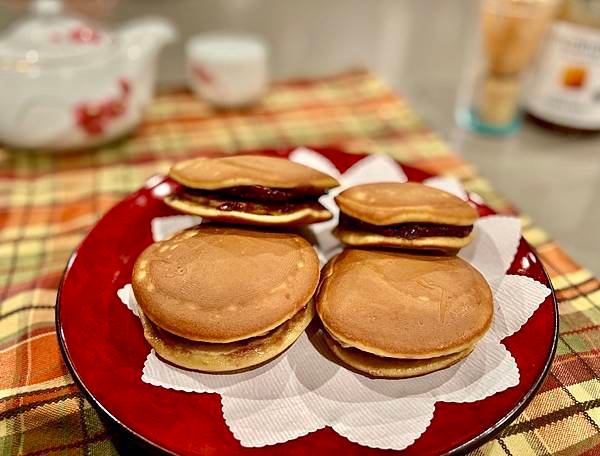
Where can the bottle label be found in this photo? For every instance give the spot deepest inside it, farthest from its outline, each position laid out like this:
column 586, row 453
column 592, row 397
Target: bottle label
column 564, row 85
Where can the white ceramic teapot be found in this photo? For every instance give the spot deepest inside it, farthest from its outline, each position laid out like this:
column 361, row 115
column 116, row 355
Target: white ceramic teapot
column 65, row 84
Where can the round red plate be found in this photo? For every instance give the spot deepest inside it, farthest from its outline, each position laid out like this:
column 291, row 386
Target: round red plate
column 103, row 346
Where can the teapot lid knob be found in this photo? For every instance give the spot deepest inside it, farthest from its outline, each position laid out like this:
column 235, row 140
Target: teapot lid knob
column 47, row 7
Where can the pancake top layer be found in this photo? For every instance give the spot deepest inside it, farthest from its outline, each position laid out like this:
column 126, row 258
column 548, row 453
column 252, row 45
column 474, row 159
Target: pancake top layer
column 223, row 172
column 222, row 284
column 389, row 203
column 404, row 305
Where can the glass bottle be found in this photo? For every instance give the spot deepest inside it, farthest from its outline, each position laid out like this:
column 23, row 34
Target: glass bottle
column 563, row 89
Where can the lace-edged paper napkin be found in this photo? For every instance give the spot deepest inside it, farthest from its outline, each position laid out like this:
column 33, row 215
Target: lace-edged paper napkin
column 302, row 390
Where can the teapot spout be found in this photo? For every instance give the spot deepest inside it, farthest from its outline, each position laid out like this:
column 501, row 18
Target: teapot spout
column 151, row 32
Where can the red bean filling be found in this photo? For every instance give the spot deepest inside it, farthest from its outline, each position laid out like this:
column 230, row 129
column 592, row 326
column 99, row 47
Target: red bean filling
column 224, row 202
column 261, row 194
column 411, row 230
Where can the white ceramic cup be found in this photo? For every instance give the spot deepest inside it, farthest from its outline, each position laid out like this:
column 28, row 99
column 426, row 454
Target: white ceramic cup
column 227, row 70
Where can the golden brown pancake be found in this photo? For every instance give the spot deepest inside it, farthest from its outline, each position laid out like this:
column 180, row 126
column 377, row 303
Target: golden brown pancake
column 449, row 245
column 217, row 298
column 232, row 356
column 406, row 215
column 251, row 189
column 379, row 366
column 404, row 306
column 223, row 284
column 240, row 170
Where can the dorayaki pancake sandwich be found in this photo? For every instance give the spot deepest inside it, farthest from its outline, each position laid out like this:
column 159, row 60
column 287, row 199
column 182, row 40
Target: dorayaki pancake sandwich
column 405, row 215
column 392, row 314
column 250, row 189
column 217, row 298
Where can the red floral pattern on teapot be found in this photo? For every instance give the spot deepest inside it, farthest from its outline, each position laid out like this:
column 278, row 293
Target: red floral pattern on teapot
column 81, row 34
column 94, row 117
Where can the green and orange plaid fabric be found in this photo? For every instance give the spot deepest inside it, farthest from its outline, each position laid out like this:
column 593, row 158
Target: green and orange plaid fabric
column 48, row 204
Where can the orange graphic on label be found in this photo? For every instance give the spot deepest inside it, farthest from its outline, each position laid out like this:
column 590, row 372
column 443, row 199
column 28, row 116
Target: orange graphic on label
column 574, row 77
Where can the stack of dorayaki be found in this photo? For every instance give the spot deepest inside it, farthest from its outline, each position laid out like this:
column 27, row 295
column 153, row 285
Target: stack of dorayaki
column 397, row 302
column 237, row 291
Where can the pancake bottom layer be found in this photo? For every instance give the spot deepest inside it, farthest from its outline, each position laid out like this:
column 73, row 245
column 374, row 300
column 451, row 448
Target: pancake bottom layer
column 379, row 366
column 363, row 238
column 304, row 214
column 217, row 357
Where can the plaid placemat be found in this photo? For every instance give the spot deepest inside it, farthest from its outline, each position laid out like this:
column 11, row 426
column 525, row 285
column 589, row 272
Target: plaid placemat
column 48, row 203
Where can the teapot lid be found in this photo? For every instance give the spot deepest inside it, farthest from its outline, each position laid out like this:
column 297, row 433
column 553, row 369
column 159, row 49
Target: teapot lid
column 49, row 36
